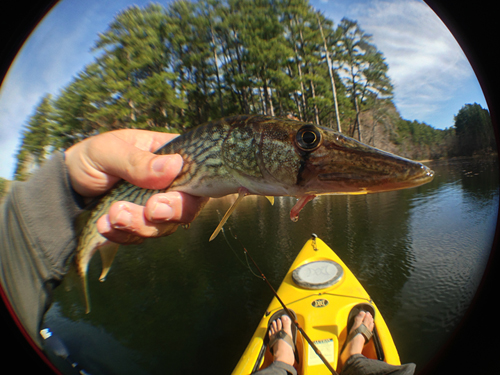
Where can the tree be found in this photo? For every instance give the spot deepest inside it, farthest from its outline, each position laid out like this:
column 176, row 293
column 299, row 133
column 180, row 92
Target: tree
column 137, row 88
column 210, row 11
column 4, row 187
column 474, row 130
column 321, row 20
column 174, row 67
column 303, row 35
column 77, row 112
column 35, row 144
column 364, row 68
column 265, row 49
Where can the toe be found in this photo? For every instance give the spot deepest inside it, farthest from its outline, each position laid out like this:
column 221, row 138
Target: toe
column 368, row 321
column 287, row 323
column 273, row 328
column 279, row 324
column 358, row 320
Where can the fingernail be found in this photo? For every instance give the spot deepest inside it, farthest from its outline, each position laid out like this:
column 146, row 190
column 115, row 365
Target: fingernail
column 162, row 211
column 123, row 219
column 104, row 226
column 159, row 163
column 162, row 163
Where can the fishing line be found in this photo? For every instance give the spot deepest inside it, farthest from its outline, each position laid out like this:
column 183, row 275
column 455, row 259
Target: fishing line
column 288, row 312
column 247, row 265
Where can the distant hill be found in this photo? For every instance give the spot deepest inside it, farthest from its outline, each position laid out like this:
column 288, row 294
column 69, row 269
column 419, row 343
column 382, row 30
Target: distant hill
column 384, row 128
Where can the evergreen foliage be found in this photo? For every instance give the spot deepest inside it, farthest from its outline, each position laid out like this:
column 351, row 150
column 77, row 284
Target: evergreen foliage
column 419, row 140
column 36, row 142
column 3, row 187
column 172, row 68
column 474, row 130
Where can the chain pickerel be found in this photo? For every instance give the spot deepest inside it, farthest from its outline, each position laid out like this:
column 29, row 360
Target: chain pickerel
column 260, row 155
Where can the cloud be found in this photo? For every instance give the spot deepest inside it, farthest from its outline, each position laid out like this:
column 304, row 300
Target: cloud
column 431, row 75
column 426, row 64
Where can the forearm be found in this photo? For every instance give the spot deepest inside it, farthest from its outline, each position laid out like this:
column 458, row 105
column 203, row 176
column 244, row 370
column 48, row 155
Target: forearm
column 37, row 238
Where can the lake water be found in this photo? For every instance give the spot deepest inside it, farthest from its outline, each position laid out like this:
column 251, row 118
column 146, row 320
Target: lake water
column 182, row 305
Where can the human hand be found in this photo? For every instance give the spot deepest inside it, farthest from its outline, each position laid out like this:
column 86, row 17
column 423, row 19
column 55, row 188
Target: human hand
column 98, row 162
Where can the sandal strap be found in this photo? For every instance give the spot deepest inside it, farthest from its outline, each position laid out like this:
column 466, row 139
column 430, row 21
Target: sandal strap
column 363, row 330
column 281, row 335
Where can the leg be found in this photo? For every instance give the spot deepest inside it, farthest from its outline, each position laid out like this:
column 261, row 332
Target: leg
column 355, row 346
column 282, row 351
column 358, row 364
column 354, row 363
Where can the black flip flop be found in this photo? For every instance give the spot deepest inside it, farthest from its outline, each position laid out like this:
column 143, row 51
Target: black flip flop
column 362, row 328
column 281, row 335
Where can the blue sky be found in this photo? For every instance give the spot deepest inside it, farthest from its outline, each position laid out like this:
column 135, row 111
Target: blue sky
column 431, row 75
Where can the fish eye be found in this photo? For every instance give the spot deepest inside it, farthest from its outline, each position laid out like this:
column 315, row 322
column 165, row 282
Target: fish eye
column 308, row 138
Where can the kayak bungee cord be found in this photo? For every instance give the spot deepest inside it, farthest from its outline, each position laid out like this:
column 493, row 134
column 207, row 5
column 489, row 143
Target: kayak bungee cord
column 290, row 315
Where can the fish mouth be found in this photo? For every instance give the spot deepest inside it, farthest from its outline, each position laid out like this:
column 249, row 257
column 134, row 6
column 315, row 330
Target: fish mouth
column 373, row 181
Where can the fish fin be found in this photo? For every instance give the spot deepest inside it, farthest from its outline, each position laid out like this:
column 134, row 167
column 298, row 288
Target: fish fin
column 86, row 292
column 270, row 198
column 108, row 251
column 294, row 212
column 362, row 192
column 241, row 194
column 84, row 255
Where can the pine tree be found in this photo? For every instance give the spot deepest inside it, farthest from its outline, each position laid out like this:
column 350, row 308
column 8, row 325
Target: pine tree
column 4, row 188
column 321, row 20
column 303, row 41
column 138, row 85
column 75, row 109
column 35, row 144
column 365, row 70
column 265, row 49
column 170, row 68
column 474, row 130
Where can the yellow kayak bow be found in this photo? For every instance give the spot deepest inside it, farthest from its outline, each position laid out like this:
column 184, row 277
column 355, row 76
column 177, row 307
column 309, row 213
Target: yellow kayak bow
column 322, row 291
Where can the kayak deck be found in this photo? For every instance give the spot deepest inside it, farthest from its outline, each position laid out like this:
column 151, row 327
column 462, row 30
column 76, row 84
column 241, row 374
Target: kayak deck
column 322, row 306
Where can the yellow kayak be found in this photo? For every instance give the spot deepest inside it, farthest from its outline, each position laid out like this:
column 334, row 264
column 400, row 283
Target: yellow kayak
column 322, row 291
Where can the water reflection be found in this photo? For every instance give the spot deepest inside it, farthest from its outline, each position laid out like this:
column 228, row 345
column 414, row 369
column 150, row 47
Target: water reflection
column 452, row 227
column 420, row 253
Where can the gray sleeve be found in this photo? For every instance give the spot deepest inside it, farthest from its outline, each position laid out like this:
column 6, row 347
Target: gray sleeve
column 278, row 368
column 37, row 238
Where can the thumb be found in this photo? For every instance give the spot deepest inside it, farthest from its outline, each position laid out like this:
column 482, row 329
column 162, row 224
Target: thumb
column 150, row 171
column 97, row 163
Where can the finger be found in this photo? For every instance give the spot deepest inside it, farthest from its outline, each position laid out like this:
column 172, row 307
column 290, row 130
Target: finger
column 118, row 236
column 127, row 221
column 130, row 217
column 173, row 206
column 133, row 234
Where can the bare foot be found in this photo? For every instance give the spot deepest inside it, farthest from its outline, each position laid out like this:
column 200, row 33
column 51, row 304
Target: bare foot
column 355, row 346
column 282, row 351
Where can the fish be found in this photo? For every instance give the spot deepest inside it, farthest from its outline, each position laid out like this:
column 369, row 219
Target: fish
column 259, row 155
